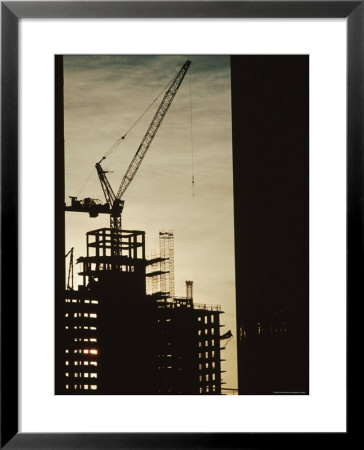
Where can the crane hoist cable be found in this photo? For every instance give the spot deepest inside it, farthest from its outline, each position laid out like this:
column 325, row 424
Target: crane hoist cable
column 192, row 149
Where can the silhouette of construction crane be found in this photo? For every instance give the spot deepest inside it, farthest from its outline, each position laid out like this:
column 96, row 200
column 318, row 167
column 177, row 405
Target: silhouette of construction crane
column 114, row 204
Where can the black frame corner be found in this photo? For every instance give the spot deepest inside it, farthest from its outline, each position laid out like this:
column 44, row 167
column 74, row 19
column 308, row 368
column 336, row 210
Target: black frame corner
column 11, row 13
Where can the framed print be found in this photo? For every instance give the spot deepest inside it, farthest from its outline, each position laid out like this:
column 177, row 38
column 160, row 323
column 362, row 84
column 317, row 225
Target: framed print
column 232, row 151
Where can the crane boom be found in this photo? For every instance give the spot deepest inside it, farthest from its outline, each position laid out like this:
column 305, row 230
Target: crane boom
column 152, row 130
column 114, row 205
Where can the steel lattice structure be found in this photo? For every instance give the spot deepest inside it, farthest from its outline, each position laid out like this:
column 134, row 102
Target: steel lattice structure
column 152, row 130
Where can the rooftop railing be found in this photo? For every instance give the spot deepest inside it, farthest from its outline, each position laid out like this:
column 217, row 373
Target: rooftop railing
column 207, row 307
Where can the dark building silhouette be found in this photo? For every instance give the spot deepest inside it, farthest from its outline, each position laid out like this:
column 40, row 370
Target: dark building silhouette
column 112, row 336
column 117, row 339
column 270, row 117
column 272, row 357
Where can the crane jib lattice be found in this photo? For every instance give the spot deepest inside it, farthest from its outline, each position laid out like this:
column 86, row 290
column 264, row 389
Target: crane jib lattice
column 152, row 130
column 114, row 205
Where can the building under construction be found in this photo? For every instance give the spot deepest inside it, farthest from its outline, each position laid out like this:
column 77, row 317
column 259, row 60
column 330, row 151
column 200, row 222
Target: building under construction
column 123, row 330
column 120, row 339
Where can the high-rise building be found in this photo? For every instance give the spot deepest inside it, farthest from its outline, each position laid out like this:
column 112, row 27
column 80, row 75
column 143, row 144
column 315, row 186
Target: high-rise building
column 118, row 339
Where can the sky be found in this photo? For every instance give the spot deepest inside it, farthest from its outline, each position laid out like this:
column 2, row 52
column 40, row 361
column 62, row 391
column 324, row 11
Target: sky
column 103, row 96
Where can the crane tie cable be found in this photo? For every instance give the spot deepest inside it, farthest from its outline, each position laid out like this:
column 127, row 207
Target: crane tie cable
column 86, row 181
column 121, row 138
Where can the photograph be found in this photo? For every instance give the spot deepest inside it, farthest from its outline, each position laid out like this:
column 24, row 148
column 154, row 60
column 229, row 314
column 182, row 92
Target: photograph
column 150, row 264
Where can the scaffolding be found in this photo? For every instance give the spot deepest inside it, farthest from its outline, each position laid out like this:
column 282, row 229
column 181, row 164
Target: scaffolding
column 166, row 246
column 153, row 274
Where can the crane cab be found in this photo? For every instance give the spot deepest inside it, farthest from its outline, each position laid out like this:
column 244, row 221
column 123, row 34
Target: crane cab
column 117, row 207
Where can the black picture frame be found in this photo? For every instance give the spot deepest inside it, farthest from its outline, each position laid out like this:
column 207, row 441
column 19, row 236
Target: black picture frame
column 11, row 12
